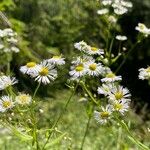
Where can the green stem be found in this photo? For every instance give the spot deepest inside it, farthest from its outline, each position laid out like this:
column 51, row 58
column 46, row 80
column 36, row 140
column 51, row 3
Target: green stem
column 89, row 93
column 60, row 116
column 85, row 134
column 35, row 92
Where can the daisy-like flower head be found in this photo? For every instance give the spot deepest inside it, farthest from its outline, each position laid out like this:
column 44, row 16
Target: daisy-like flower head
column 143, row 29
column 95, row 51
column 23, row 99
column 119, row 93
column 57, row 60
column 6, row 103
column 120, row 106
column 121, row 38
column 30, row 68
column 93, row 68
column 103, row 116
column 102, row 11
column 82, row 46
column 111, row 77
column 46, row 73
column 105, row 89
column 82, row 59
column 6, row 81
column 78, row 71
column 144, row 73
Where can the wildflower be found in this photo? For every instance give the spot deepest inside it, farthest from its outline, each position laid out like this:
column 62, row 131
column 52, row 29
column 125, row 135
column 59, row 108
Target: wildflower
column 30, row 68
column 23, row 99
column 143, row 29
column 78, row 70
column 102, row 11
column 6, row 81
column 105, row 89
column 111, row 77
column 120, row 10
column 112, row 19
column 6, row 103
column 121, row 38
column 119, row 93
column 94, row 69
column 58, row 60
column 46, row 73
column 120, row 106
column 103, row 116
column 95, row 51
column 106, row 2
column 82, row 46
column 144, row 73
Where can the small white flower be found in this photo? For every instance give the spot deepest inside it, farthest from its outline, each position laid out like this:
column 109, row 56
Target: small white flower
column 111, row 77
column 143, row 29
column 15, row 49
column 6, row 103
column 6, row 81
column 102, row 11
column 82, row 46
column 106, row 2
column 112, row 19
column 94, row 51
column 57, row 60
column 103, row 116
column 46, row 73
column 144, row 73
column 94, row 69
column 30, row 68
column 120, row 10
column 105, row 89
column 78, row 70
column 23, row 99
column 120, row 106
column 119, row 93
column 121, row 38
column 126, row 4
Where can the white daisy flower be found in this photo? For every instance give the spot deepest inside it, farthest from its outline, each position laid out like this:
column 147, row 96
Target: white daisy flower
column 94, row 69
column 102, row 11
column 144, row 73
column 78, row 71
column 6, row 81
column 121, row 38
column 111, row 77
column 105, row 89
column 82, row 46
column 95, row 51
column 46, row 73
column 120, row 106
column 143, row 29
column 119, row 93
column 82, row 59
column 30, row 68
column 57, row 60
column 6, row 103
column 23, row 99
column 103, row 116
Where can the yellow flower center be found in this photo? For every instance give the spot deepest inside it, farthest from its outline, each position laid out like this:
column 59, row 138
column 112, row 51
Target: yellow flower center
column 142, row 26
column 94, row 49
column 23, row 98
column 93, row 67
column 119, row 95
column 44, row 71
column 110, row 75
column 56, row 57
column 79, row 67
column 148, row 70
column 31, row 64
column 118, row 106
column 104, row 114
column 6, row 104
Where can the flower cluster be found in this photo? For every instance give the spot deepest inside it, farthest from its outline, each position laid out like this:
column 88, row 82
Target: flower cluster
column 144, row 73
column 8, row 41
column 45, row 71
column 120, row 7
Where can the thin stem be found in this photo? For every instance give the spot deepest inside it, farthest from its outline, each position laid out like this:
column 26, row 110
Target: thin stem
column 60, row 116
column 122, row 63
column 89, row 93
column 35, row 92
column 85, row 134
